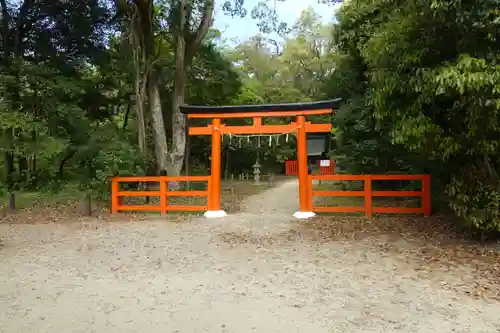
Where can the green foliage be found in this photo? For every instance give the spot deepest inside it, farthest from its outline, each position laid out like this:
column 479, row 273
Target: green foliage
column 68, row 109
column 421, row 81
column 213, row 80
column 475, row 200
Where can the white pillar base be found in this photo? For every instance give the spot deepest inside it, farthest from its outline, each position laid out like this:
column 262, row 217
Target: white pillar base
column 214, row 214
column 303, row 215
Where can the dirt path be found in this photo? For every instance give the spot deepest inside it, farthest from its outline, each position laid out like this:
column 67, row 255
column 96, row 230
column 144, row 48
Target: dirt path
column 230, row 275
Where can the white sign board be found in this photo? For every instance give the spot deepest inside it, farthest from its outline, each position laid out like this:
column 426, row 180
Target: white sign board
column 324, row 163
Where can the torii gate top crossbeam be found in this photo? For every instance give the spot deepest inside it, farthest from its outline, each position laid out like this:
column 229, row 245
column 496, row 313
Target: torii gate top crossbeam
column 257, row 112
column 261, row 110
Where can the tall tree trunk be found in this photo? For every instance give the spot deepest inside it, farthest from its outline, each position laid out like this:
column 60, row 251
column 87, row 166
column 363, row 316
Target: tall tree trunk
column 184, row 54
column 140, row 78
column 32, row 169
column 171, row 160
column 145, row 9
column 141, row 117
column 141, row 128
column 160, row 137
column 6, row 135
column 126, row 116
column 9, row 169
column 23, row 167
column 177, row 150
column 22, row 26
column 5, row 32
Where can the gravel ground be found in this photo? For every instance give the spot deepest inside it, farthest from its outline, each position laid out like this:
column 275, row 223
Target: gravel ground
column 216, row 276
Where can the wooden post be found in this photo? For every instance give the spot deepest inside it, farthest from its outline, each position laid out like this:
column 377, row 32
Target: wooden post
column 368, row 196
column 163, row 195
column 302, row 163
column 115, row 199
column 187, row 156
column 209, row 190
column 86, row 203
column 309, row 193
column 426, row 195
column 214, row 201
column 12, row 201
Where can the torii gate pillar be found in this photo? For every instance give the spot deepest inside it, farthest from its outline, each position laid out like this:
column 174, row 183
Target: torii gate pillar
column 214, row 209
column 305, row 211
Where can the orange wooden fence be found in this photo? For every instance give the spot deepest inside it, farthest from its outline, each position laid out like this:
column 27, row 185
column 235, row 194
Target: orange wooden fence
column 326, row 170
column 163, row 193
column 292, row 168
column 368, row 194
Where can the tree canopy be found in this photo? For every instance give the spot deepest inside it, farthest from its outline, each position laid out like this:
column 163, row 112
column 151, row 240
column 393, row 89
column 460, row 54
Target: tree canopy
column 421, row 85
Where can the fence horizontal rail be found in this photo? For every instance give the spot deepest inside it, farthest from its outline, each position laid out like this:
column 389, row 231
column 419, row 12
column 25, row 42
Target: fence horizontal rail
column 362, row 194
column 338, row 177
column 397, row 194
column 158, row 193
column 163, row 194
column 338, row 209
column 399, row 177
column 368, row 194
column 160, row 178
column 338, row 193
column 373, row 177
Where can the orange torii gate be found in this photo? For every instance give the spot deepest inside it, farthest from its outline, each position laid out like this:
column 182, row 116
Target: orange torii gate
column 216, row 129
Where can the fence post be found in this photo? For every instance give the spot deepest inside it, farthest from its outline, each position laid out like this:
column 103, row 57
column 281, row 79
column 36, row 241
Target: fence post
column 163, row 195
column 426, row 195
column 115, row 199
column 309, row 193
column 209, row 190
column 368, row 196
column 12, row 200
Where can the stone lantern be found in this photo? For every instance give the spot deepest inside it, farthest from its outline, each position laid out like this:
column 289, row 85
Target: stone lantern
column 256, row 172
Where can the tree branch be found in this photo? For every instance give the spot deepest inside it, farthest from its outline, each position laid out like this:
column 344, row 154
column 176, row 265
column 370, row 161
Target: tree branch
column 145, row 9
column 201, row 31
column 276, row 45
